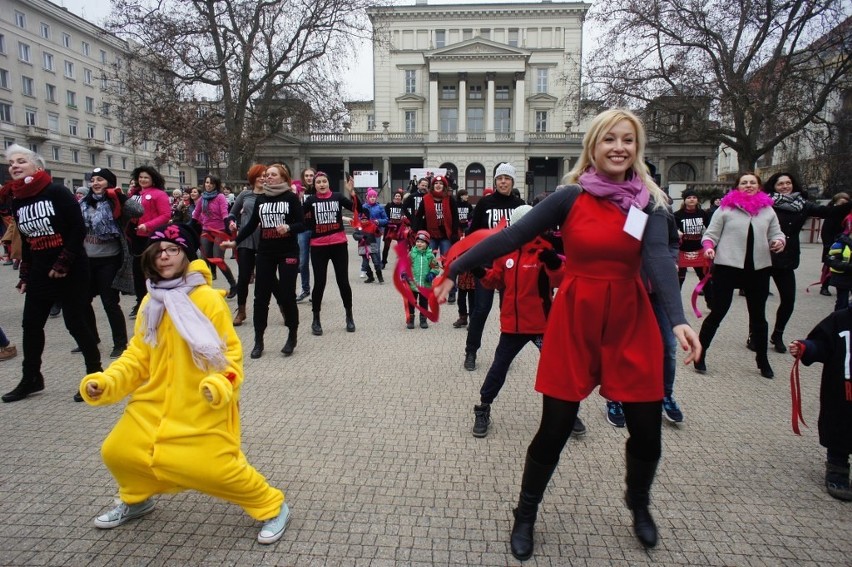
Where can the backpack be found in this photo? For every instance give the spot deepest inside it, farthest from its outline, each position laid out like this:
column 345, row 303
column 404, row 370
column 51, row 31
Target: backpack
column 839, row 258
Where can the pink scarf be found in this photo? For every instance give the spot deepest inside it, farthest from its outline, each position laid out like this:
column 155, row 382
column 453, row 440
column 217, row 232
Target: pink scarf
column 751, row 204
column 623, row 194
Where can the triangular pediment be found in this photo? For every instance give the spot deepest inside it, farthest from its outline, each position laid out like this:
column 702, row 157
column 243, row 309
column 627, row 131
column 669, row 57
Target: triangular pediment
column 477, row 47
column 410, row 97
column 542, row 97
column 286, row 139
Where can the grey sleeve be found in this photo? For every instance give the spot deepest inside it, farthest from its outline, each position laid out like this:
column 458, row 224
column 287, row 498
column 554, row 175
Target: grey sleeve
column 549, row 214
column 660, row 268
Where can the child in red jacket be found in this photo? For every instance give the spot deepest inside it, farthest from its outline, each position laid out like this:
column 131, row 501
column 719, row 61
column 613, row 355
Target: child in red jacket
column 527, row 278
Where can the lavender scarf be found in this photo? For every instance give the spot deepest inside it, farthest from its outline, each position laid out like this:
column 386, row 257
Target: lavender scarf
column 622, row 194
column 172, row 296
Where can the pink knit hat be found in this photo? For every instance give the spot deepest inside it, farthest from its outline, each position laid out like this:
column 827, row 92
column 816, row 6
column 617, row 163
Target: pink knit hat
column 371, row 193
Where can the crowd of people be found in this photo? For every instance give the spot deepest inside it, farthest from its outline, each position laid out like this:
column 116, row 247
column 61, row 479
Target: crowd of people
column 592, row 278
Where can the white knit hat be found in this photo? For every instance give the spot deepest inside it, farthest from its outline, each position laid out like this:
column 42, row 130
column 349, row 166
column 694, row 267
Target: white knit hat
column 516, row 215
column 505, row 169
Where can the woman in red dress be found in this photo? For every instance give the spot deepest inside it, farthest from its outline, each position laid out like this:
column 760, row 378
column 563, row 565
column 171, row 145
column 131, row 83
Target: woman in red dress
column 601, row 330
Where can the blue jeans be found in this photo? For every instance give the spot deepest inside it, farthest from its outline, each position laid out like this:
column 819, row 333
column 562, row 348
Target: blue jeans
column 304, row 260
column 669, row 346
column 4, row 342
column 442, row 244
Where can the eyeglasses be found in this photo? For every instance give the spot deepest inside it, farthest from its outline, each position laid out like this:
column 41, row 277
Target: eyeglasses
column 170, row 250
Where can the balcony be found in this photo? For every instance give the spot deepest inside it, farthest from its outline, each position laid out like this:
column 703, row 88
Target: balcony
column 95, row 145
column 37, row 134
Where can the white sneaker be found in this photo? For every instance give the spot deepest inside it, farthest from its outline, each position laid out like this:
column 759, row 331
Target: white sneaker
column 123, row 513
column 273, row 529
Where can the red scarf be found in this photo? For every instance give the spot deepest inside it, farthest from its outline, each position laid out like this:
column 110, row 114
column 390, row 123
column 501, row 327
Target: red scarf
column 29, row 186
column 432, row 225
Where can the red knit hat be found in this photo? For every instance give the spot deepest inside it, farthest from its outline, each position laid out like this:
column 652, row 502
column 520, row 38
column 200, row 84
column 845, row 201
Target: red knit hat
column 423, row 235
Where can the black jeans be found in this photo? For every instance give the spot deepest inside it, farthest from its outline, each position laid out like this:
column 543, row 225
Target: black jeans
column 422, row 301
column 41, row 293
column 755, row 284
column 466, row 302
column 483, row 300
column 246, row 260
column 281, row 272
column 644, row 421
column 785, row 281
column 507, row 349
column 102, row 273
column 338, row 255
column 137, row 245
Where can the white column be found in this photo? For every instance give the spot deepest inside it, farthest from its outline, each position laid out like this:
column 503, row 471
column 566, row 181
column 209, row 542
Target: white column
column 433, row 107
column 462, row 130
column 709, row 174
column 520, row 106
column 661, row 169
column 386, row 177
column 489, row 107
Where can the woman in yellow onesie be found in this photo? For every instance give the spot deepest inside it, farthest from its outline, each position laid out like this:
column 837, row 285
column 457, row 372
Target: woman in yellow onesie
column 182, row 369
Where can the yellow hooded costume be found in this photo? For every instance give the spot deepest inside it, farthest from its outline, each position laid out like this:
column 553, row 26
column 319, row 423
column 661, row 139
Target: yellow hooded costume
column 170, row 438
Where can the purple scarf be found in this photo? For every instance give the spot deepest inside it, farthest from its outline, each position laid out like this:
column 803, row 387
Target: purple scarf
column 751, row 204
column 623, row 194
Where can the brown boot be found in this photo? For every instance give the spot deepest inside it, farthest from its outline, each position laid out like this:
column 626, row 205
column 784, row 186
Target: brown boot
column 460, row 322
column 240, row 317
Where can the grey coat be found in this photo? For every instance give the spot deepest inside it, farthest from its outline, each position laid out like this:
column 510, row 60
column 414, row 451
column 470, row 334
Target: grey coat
column 728, row 231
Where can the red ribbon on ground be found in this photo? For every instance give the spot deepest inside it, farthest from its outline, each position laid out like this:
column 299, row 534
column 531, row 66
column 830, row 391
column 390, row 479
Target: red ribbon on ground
column 216, row 237
column 796, row 391
column 403, row 266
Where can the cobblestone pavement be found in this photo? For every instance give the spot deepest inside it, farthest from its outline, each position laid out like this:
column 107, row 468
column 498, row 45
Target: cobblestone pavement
column 369, row 435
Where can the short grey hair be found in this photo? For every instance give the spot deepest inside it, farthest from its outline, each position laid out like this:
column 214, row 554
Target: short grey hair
column 32, row 157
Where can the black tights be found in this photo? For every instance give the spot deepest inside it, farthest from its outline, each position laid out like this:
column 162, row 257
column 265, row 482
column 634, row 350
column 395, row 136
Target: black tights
column 338, row 255
column 644, row 421
column 785, row 281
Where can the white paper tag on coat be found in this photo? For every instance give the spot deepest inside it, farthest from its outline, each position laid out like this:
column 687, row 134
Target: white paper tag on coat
column 635, row 223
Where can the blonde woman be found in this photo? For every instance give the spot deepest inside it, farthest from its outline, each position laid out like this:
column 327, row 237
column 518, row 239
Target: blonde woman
column 601, row 330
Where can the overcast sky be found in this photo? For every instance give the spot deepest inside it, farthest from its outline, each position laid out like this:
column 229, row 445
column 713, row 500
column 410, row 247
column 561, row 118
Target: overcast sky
column 97, row 10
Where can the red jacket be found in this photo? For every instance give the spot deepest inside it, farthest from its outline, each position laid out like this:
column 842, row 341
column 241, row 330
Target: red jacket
column 528, row 288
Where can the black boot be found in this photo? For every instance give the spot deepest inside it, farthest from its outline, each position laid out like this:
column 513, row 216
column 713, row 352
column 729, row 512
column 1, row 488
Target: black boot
column 370, row 278
column 777, row 341
column 316, row 327
column 534, row 482
column 481, row 420
column 291, row 342
column 424, row 324
column 24, row 388
column 763, row 365
column 640, row 476
column 836, row 481
column 350, row 322
column 379, row 276
column 257, row 351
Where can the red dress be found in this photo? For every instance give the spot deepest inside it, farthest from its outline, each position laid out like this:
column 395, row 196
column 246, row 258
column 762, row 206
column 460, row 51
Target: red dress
column 601, row 329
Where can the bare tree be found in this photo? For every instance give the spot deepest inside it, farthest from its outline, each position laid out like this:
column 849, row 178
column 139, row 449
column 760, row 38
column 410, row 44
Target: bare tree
column 219, row 69
column 759, row 71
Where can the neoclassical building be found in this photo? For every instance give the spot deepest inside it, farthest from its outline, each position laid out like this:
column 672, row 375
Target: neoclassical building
column 466, row 87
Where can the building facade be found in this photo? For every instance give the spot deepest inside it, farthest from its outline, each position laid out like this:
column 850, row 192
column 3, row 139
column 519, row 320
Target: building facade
column 466, row 87
column 54, row 74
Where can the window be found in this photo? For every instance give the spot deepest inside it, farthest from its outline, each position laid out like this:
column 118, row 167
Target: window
column 541, row 81
column 501, row 93
column 53, row 122
column 85, row 48
column 5, row 112
column 87, row 76
column 502, row 119
column 122, row 138
column 71, row 99
column 93, row 158
column 72, row 126
column 103, row 56
column 467, row 34
column 410, row 81
column 45, row 31
column 449, row 120
column 124, row 163
column 31, row 116
column 371, row 122
column 182, row 177
column 56, row 152
column 440, row 38
column 24, row 52
column 90, row 131
column 106, row 108
column 2, row 43
column 8, row 142
column 485, row 32
column 108, row 135
column 27, row 86
column 513, row 37
column 475, row 119
column 34, row 148
column 75, row 156
column 90, row 104
column 50, row 93
column 66, row 40
column 104, row 82
column 20, row 19
column 69, row 69
column 47, row 59
column 410, row 121
column 541, row 121
column 4, row 79
column 448, row 92
column 475, row 92
column 109, row 161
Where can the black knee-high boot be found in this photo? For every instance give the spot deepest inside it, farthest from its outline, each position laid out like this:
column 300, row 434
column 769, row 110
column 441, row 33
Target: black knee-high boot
column 533, row 484
column 640, row 477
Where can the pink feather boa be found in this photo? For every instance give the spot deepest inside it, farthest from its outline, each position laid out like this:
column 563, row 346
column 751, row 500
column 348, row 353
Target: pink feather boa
column 751, row 204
